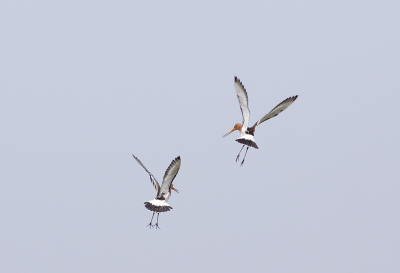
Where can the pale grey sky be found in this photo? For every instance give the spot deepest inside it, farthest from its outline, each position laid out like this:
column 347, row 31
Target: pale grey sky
column 87, row 83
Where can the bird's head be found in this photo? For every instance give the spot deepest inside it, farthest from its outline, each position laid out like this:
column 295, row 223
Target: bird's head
column 237, row 126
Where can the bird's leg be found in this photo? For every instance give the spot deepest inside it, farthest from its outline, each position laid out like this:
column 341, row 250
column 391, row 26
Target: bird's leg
column 172, row 188
column 158, row 214
column 244, row 157
column 237, row 158
column 151, row 221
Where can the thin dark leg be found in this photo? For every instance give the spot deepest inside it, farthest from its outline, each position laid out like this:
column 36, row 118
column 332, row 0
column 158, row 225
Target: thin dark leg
column 237, row 158
column 244, row 157
column 151, row 221
column 158, row 214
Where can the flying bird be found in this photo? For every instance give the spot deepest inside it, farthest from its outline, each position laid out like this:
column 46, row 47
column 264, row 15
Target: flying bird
column 247, row 133
column 159, row 204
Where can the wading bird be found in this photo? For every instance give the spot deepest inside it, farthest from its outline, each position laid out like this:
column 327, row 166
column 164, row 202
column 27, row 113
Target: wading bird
column 159, row 204
column 247, row 133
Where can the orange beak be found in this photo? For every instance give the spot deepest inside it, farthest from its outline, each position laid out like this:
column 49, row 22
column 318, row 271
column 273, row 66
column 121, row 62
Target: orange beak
column 229, row 132
column 172, row 187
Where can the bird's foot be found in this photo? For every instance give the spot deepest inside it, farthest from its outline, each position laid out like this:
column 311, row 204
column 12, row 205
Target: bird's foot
column 237, row 158
column 241, row 164
column 157, row 226
column 150, row 225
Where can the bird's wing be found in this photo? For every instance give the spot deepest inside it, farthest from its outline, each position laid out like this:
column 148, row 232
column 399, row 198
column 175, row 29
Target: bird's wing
column 170, row 174
column 243, row 102
column 279, row 108
column 152, row 178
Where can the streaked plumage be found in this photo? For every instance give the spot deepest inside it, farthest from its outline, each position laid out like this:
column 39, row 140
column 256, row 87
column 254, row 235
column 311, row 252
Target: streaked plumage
column 159, row 204
column 247, row 133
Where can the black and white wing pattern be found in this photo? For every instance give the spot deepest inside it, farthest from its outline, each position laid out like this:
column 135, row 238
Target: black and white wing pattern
column 170, row 174
column 243, row 102
column 279, row 108
column 152, row 178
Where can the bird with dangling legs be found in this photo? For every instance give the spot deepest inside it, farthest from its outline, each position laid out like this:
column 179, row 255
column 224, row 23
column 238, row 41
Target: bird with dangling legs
column 159, row 204
column 247, row 133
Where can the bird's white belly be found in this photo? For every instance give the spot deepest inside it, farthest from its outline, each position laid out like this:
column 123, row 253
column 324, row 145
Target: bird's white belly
column 247, row 136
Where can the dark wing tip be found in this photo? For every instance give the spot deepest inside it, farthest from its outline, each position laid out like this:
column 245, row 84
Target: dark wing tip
column 239, row 82
column 137, row 159
column 290, row 99
column 241, row 85
column 173, row 162
column 178, row 158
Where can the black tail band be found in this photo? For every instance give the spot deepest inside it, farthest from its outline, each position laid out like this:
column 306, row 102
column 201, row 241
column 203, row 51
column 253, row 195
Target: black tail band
column 153, row 208
column 247, row 142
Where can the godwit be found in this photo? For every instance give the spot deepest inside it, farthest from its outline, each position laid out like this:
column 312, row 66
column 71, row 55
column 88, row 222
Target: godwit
column 247, row 134
column 159, row 204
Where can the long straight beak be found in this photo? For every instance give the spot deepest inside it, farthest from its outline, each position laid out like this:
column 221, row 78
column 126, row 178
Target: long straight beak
column 172, row 187
column 229, row 132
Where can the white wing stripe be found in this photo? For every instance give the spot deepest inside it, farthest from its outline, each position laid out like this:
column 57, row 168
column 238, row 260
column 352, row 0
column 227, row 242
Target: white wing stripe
column 243, row 102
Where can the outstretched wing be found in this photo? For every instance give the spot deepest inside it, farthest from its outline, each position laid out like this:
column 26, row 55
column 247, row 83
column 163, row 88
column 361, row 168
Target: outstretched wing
column 243, row 102
column 152, row 178
column 279, row 108
column 170, row 174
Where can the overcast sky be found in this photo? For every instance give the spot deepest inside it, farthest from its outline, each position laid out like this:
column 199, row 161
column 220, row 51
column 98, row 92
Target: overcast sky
column 86, row 84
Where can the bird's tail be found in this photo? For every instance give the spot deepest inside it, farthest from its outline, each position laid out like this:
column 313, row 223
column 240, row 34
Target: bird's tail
column 247, row 140
column 156, row 205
